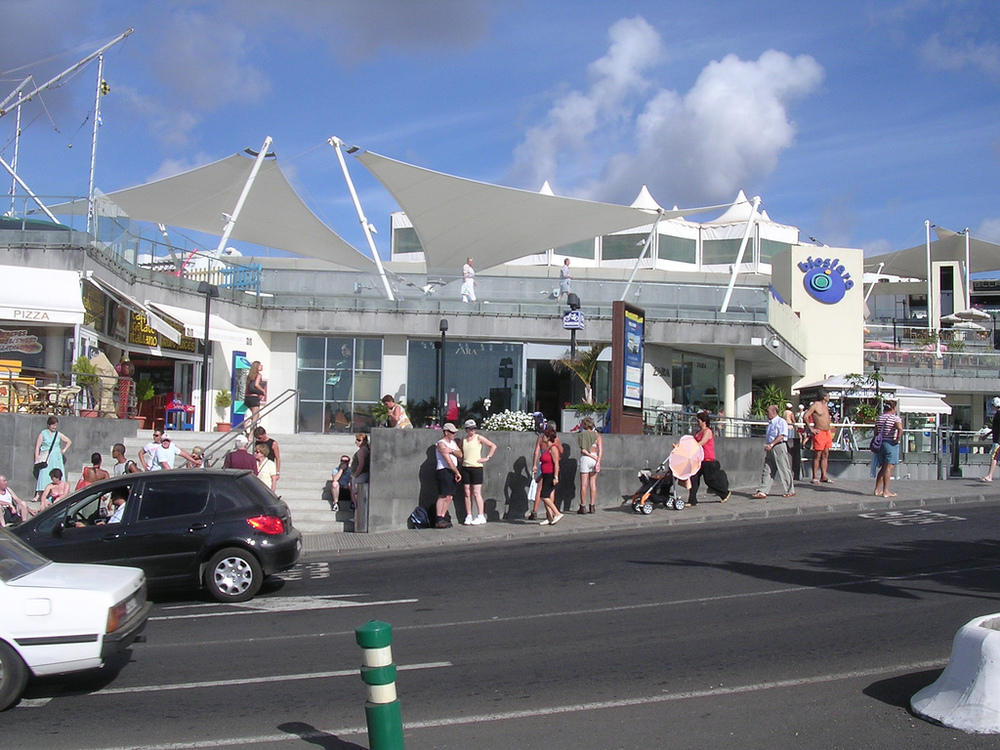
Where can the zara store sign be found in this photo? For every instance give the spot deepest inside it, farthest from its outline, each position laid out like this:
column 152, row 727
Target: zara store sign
column 825, row 280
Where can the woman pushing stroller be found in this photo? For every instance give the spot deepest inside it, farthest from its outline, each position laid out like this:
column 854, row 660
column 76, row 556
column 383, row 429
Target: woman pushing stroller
column 711, row 472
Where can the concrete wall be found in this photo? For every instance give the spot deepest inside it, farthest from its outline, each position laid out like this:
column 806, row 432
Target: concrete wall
column 18, row 433
column 403, row 469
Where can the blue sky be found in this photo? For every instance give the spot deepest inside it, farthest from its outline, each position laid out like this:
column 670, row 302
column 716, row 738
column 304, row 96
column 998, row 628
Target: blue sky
column 854, row 121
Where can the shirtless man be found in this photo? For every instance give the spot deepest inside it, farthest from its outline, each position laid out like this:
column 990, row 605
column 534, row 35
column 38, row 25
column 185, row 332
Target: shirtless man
column 822, row 435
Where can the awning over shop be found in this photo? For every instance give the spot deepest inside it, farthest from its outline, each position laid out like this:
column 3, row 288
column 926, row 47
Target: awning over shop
column 908, row 400
column 41, row 296
column 193, row 323
column 154, row 321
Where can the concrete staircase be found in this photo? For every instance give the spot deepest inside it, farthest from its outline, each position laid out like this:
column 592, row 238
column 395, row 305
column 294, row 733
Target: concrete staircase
column 306, row 465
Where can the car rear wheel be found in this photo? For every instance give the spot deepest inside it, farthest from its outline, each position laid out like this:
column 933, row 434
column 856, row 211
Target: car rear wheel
column 233, row 575
column 13, row 676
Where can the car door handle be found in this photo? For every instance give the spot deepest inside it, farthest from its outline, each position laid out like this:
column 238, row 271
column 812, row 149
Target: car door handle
column 198, row 526
column 110, row 537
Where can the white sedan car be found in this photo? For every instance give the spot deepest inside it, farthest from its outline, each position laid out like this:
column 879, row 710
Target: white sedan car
column 62, row 617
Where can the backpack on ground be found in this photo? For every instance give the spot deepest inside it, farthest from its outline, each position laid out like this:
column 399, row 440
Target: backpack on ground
column 419, row 519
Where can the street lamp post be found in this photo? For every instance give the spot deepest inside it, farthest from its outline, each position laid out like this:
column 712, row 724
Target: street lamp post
column 209, row 290
column 443, row 327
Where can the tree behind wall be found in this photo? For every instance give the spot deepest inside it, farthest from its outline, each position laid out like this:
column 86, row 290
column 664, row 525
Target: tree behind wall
column 584, row 366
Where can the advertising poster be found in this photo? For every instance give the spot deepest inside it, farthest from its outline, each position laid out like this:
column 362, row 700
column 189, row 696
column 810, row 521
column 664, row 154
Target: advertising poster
column 241, row 366
column 634, row 324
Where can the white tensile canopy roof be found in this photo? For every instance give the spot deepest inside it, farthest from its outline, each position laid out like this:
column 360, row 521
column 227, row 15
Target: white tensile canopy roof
column 273, row 214
column 912, row 262
column 457, row 218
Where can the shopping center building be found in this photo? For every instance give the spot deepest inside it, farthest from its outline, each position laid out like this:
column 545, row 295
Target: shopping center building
column 731, row 302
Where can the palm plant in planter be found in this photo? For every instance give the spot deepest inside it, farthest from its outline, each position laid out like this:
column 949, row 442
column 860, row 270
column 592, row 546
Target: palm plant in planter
column 223, row 400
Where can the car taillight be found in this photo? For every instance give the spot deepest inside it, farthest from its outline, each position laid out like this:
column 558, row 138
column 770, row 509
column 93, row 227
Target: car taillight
column 116, row 615
column 267, row 524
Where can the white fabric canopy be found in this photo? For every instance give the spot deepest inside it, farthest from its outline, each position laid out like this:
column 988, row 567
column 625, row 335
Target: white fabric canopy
column 193, row 323
column 909, row 400
column 456, row 218
column 40, row 296
column 273, row 215
column 950, row 246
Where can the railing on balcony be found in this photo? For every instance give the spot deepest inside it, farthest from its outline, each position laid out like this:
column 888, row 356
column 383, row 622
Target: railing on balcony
column 906, row 347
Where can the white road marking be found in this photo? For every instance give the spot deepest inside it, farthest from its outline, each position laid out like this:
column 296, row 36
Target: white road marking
column 914, row 517
column 281, row 604
column 713, row 692
column 260, row 680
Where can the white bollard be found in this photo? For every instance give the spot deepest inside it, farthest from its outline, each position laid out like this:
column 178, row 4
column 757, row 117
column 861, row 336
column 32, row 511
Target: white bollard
column 967, row 694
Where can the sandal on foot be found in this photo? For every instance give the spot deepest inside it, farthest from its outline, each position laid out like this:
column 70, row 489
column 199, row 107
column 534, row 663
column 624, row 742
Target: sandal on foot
column 758, row 496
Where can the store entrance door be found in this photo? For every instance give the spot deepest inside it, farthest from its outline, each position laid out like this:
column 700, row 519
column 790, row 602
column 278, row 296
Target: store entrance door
column 546, row 389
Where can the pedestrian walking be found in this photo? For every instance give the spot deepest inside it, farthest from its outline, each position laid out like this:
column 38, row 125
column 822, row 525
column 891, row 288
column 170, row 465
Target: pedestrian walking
column 166, row 454
column 472, row 471
column 885, row 454
column 565, row 280
column 549, row 459
column 711, row 471
column 265, row 468
column 591, row 449
column 536, row 498
column 995, row 448
column 794, row 442
column 468, row 282
column 147, row 454
column 122, row 465
column 253, row 395
column 775, row 457
column 50, row 449
column 448, row 474
column 239, row 458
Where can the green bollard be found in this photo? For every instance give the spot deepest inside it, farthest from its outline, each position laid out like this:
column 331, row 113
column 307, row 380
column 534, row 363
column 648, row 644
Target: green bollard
column 382, row 710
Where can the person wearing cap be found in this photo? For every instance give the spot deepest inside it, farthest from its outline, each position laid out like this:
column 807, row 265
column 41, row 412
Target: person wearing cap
column 448, row 475
column 996, row 440
column 472, row 471
column 239, row 458
column 167, row 453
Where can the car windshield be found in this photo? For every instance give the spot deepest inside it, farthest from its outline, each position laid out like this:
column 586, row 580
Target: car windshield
column 17, row 558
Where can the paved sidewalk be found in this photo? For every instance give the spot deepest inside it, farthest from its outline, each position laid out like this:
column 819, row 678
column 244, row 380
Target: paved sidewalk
column 842, row 497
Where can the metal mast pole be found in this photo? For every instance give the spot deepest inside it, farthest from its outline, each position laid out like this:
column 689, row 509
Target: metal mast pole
column 231, row 220
column 93, row 143
column 739, row 256
column 365, row 225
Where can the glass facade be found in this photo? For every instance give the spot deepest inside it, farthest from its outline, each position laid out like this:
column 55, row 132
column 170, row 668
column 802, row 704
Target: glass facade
column 339, row 380
column 697, row 382
column 622, row 246
column 682, row 249
column 405, row 240
column 474, row 372
column 583, row 249
column 717, row 252
column 770, row 248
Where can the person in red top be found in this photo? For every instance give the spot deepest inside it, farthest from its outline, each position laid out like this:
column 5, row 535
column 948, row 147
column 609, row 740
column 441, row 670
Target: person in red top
column 549, row 460
column 715, row 478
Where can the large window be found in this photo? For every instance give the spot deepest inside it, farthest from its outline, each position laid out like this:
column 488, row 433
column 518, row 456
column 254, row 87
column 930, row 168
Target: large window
column 622, row 246
column 718, row 252
column 405, row 240
column 683, row 249
column 339, row 380
column 474, row 372
column 582, row 249
column 770, row 248
column 697, row 382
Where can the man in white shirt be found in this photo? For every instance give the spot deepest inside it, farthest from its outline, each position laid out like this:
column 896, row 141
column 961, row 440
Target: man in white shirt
column 147, row 454
column 167, row 453
column 122, row 465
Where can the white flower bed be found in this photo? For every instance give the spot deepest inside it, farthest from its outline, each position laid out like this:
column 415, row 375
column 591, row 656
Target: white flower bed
column 510, row 421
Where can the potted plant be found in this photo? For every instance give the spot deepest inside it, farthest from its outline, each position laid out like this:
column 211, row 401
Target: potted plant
column 223, row 400
column 85, row 375
column 584, row 367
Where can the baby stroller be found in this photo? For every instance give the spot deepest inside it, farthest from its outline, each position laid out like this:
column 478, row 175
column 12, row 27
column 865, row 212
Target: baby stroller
column 656, row 487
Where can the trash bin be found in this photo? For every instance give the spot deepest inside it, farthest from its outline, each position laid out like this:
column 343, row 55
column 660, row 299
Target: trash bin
column 361, row 509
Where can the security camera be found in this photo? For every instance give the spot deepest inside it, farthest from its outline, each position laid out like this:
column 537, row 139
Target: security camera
column 774, row 342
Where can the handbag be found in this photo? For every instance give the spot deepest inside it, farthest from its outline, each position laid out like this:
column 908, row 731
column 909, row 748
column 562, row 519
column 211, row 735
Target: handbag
column 37, row 468
column 876, row 444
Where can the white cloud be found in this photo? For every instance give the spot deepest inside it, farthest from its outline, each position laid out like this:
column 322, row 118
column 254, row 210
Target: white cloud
column 171, row 167
column 576, row 117
column 966, row 53
column 203, row 60
column 727, row 132
column 989, row 230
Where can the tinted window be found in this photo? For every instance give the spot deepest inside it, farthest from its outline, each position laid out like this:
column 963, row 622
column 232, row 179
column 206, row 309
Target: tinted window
column 183, row 497
column 228, row 496
column 259, row 495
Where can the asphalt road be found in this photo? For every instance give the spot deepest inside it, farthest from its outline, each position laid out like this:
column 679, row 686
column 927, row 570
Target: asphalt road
column 785, row 633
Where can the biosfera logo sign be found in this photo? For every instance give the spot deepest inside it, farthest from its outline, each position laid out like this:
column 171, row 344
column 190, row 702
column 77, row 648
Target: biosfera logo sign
column 826, row 280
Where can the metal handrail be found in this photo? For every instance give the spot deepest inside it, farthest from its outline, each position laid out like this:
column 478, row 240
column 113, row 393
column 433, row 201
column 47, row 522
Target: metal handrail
column 221, row 443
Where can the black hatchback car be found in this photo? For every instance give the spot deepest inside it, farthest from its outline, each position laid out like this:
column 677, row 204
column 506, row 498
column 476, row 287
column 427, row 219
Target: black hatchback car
column 221, row 529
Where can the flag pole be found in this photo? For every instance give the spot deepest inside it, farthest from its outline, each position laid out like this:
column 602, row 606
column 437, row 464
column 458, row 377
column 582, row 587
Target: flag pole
column 93, row 144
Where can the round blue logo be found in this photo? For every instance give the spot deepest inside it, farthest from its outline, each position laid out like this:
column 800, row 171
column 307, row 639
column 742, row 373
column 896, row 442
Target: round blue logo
column 825, row 280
